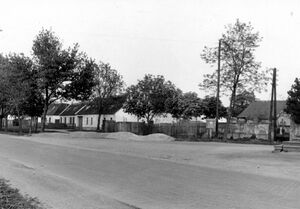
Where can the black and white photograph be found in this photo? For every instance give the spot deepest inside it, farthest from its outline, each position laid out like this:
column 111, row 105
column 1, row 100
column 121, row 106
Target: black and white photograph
column 149, row 104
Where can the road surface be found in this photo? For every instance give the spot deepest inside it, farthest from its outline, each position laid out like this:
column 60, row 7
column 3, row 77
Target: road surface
column 76, row 177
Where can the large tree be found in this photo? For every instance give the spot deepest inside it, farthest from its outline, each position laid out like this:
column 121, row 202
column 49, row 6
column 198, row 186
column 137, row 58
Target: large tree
column 108, row 84
column 293, row 102
column 57, row 69
column 148, row 97
column 4, row 89
column 239, row 69
column 18, row 76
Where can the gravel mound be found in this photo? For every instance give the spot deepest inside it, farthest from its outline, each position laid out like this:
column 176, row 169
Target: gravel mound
column 158, row 137
column 133, row 137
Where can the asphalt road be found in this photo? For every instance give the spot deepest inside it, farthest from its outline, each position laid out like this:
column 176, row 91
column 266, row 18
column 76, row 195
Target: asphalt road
column 73, row 177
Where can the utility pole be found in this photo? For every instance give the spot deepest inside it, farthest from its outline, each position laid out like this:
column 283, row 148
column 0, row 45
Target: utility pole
column 275, row 105
column 218, row 89
column 273, row 110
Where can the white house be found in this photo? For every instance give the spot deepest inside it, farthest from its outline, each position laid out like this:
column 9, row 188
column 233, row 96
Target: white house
column 69, row 115
column 54, row 111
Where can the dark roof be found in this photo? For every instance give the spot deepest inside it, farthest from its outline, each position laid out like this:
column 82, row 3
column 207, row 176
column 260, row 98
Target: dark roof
column 72, row 109
column 261, row 110
column 56, row 108
column 110, row 107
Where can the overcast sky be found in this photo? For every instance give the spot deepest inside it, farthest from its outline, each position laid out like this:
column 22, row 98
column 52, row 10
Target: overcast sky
column 162, row 37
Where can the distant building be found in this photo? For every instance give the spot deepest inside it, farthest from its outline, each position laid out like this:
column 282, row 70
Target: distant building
column 254, row 120
column 259, row 111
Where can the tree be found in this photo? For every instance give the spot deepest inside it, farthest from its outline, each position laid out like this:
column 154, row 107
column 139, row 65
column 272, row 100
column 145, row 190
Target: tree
column 148, row 97
column 209, row 105
column 18, row 76
column 293, row 102
column 185, row 105
column 57, row 69
column 193, row 105
column 239, row 70
column 243, row 100
column 108, row 83
column 82, row 81
column 4, row 87
column 33, row 105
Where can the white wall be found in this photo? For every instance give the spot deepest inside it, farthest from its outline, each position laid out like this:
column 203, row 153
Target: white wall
column 121, row 116
column 52, row 118
column 89, row 122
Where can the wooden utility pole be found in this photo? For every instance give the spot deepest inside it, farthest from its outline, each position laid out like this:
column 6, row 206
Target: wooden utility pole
column 218, row 90
column 273, row 110
column 275, row 105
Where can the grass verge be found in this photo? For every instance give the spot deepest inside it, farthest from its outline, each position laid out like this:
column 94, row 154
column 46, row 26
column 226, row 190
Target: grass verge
column 10, row 198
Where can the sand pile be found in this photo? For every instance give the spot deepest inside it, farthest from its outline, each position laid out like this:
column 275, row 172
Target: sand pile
column 157, row 137
column 133, row 137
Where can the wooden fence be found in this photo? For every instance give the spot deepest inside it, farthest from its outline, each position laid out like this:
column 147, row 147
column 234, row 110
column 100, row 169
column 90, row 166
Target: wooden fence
column 191, row 130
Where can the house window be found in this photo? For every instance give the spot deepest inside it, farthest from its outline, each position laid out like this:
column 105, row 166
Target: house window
column 49, row 120
column 87, row 121
column 73, row 120
column 65, row 119
column 91, row 121
column 61, row 119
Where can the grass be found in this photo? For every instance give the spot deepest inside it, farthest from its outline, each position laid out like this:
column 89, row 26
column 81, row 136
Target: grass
column 10, row 198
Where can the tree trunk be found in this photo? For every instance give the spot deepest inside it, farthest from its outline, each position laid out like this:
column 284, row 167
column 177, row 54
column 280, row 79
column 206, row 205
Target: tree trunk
column 30, row 127
column 232, row 101
column 6, row 124
column 99, row 120
column 99, row 114
column 36, row 121
column 1, row 122
column 20, row 123
column 44, row 117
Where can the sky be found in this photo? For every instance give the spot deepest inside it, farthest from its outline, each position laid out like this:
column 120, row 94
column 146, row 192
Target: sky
column 160, row 37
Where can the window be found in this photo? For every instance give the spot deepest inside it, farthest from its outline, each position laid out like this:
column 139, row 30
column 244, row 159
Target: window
column 49, row 119
column 87, row 121
column 65, row 119
column 91, row 121
column 61, row 119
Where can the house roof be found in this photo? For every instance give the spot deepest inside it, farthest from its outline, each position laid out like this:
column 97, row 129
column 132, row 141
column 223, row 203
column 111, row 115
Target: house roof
column 56, row 108
column 110, row 108
column 72, row 109
column 261, row 110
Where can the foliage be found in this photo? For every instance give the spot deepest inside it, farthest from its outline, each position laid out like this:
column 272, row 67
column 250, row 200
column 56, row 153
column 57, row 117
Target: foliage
column 59, row 70
column 239, row 70
column 148, row 97
column 209, row 105
column 18, row 76
column 4, row 87
column 82, row 80
column 108, row 83
column 293, row 102
column 185, row 105
column 33, row 105
column 243, row 100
